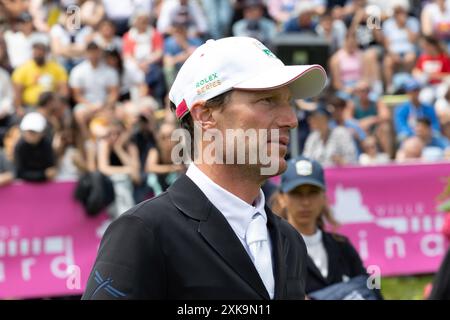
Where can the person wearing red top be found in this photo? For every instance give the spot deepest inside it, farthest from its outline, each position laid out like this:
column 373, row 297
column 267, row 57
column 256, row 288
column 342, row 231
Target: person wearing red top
column 432, row 66
column 143, row 46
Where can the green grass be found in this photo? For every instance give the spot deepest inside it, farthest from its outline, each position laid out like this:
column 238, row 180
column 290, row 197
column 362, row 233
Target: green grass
column 405, row 288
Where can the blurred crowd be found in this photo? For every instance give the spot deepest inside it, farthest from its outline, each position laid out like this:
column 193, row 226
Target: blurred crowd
column 84, row 83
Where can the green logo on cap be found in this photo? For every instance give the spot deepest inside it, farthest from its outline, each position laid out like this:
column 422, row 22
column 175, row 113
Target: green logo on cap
column 269, row 53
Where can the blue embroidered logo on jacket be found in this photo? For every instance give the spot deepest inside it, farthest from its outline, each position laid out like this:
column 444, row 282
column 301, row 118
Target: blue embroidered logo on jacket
column 106, row 285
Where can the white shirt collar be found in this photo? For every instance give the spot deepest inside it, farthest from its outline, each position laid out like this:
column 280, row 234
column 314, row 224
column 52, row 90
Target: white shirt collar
column 237, row 212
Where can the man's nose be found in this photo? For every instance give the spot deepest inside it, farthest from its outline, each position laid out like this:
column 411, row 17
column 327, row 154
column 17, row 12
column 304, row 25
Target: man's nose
column 287, row 117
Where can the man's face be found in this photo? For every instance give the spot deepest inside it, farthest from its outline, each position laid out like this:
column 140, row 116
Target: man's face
column 414, row 95
column 253, row 13
column 94, row 55
column 423, row 131
column 39, row 54
column 32, row 137
column 265, row 110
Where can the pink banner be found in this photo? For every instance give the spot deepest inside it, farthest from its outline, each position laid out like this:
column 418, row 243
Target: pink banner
column 47, row 243
column 390, row 214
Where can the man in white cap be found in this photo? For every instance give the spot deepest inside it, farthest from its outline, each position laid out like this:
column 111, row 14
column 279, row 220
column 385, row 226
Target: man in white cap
column 34, row 158
column 210, row 235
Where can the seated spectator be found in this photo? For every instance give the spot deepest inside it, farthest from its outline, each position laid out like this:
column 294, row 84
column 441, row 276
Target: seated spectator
column 19, row 44
column 442, row 106
column 432, row 67
column 68, row 44
column 281, row 10
column 189, row 10
column 407, row 114
column 424, row 132
column 6, row 103
column 37, row 76
column 120, row 12
column 435, row 20
column 143, row 47
column 410, row 151
column 365, row 23
column 6, row 170
column 95, row 87
column 143, row 137
column 371, row 154
column 254, row 24
column 329, row 146
column 45, row 14
column 219, row 17
column 366, row 109
column 162, row 172
column 177, row 48
column 333, row 30
column 131, row 79
column 338, row 109
column 118, row 158
column 105, row 36
column 34, row 158
column 347, row 67
column 400, row 33
column 366, row 26
column 303, row 19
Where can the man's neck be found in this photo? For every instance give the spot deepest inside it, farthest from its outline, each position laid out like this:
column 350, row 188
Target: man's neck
column 233, row 179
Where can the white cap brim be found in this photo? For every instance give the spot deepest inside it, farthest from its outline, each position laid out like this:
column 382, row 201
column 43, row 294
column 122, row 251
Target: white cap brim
column 305, row 81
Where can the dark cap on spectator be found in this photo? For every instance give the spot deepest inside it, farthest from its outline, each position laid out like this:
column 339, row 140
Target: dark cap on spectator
column 302, row 171
column 25, row 17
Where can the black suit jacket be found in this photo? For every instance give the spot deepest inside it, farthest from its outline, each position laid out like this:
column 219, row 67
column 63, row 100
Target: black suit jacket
column 179, row 246
column 343, row 260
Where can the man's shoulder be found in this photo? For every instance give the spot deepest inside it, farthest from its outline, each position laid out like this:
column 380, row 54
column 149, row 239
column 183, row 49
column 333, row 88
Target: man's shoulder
column 153, row 211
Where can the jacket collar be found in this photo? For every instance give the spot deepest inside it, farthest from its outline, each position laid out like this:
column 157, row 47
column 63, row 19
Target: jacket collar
column 216, row 231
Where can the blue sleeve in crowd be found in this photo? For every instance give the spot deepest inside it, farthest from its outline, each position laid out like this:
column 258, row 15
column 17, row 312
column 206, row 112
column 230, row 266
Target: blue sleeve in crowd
column 402, row 128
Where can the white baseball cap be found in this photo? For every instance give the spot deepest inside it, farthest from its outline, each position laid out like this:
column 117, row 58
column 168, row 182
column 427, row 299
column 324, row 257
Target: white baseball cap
column 239, row 63
column 33, row 121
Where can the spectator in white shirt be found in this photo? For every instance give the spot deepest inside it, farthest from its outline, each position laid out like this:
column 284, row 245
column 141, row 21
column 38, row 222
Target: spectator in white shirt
column 95, row 87
column 329, row 146
column 68, row 41
column 19, row 44
column 172, row 8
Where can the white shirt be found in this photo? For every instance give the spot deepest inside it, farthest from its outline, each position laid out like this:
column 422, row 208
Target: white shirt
column 6, row 93
column 94, row 82
column 169, row 9
column 236, row 211
column 317, row 252
column 19, row 46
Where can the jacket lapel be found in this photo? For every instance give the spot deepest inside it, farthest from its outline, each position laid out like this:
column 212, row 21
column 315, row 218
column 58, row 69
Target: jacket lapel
column 313, row 270
column 278, row 254
column 216, row 231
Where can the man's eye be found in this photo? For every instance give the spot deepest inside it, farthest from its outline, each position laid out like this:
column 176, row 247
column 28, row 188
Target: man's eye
column 266, row 100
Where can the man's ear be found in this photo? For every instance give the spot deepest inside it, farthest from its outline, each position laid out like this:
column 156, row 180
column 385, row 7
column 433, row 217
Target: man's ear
column 203, row 116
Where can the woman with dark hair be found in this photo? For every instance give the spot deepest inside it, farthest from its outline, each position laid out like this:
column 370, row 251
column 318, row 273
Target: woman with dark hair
column 331, row 257
column 131, row 79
